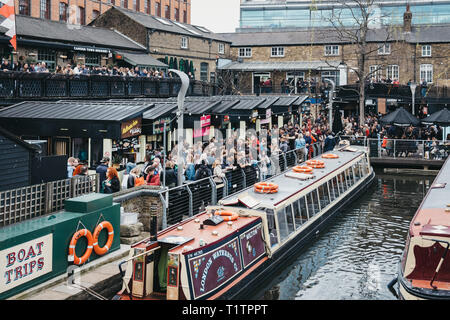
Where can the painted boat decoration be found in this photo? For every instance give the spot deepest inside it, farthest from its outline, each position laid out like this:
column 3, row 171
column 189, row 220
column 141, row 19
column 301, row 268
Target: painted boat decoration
column 231, row 248
column 424, row 269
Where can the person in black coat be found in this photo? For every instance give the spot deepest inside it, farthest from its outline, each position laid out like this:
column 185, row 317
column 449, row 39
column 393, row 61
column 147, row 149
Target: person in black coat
column 203, row 171
column 112, row 182
column 329, row 142
column 169, row 172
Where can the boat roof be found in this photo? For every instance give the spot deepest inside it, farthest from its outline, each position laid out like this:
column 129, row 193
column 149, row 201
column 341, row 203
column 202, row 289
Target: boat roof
column 433, row 216
column 188, row 238
column 289, row 186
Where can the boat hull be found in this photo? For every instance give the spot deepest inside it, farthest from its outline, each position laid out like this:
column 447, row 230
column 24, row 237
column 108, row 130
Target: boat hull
column 258, row 277
column 407, row 292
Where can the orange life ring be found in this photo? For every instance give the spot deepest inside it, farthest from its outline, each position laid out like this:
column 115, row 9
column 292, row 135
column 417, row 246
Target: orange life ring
column 330, row 156
column 303, row 169
column 266, row 187
column 316, row 163
column 79, row 234
column 107, row 246
column 227, row 215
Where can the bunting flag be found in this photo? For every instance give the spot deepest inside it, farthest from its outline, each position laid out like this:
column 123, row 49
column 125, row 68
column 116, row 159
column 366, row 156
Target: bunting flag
column 7, row 11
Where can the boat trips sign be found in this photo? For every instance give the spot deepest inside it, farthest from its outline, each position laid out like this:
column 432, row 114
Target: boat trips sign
column 25, row 262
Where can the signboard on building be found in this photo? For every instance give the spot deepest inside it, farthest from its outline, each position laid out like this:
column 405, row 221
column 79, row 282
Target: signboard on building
column 25, row 262
column 91, row 49
column 131, row 128
column 201, row 132
column 205, row 121
column 158, row 125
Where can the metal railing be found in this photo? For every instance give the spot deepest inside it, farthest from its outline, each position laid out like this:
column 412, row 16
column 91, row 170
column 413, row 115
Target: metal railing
column 24, row 203
column 189, row 199
column 21, row 85
column 403, row 148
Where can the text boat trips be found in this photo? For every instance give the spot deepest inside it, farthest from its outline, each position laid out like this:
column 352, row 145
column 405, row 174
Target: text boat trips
column 230, row 248
column 424, row 269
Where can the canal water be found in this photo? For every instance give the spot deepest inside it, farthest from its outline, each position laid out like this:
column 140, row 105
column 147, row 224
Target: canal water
column 357, row 256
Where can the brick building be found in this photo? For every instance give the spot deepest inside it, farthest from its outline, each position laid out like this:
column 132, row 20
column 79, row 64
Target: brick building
column 84, row 11
column 166, row 40
column 405, row 53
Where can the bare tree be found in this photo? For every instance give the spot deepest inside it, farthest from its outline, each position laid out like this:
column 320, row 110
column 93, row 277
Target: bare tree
column 229, row 81
column 360, row 25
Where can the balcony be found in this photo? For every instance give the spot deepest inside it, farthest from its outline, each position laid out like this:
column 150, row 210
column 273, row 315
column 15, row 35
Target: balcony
column 20, row 86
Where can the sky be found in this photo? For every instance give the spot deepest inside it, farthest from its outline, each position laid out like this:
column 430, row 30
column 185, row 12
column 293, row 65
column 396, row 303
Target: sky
column 216, row 15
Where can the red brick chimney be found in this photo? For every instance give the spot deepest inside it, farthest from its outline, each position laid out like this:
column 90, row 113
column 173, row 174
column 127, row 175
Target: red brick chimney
column 407, row 18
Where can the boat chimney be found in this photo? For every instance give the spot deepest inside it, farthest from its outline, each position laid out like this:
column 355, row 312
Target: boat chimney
column 153, row 227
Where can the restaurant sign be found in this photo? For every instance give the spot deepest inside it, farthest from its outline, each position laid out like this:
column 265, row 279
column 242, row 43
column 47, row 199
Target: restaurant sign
column 25, row 262
column 205, row 121
column 131, row 128
column 91, row 49
column 214, row 268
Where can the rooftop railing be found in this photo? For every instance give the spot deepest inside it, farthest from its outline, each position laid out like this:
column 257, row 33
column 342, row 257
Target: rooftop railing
column 19, row 86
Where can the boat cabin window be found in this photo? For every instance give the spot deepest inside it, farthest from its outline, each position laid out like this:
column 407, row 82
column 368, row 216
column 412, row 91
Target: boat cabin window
column 297, row 214
column 349, row 176
column 272, row 227
column 324, row 195
column 282, row 224
column 357, row 172
column 364, row 169
column 313, row 203
column 334, row 188
column 342, row 183
column 303, row 209
column 290, row 218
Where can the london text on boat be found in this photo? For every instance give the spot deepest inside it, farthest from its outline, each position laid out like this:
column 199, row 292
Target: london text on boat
column 228, row 249
column 424, row 269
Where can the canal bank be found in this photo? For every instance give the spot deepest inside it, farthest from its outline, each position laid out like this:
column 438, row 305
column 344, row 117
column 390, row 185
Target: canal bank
column 358, row 255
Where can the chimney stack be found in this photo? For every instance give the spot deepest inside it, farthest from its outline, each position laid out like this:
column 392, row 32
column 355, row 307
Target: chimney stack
column 407, row 18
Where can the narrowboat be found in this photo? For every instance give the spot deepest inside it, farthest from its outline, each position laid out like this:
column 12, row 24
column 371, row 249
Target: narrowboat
column 424, row 268
column 231, row 248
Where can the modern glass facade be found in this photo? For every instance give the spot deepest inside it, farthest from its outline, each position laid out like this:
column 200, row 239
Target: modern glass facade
column 319, row 13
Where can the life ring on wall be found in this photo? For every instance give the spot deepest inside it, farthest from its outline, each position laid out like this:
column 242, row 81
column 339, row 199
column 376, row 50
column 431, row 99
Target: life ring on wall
column 227, row 215
column 101, row 251
column 79, row 234
column 266, row 187
column 316, row 163
column 303, row 169
column 330, row 156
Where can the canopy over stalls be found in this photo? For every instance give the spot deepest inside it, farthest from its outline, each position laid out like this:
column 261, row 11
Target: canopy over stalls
column 401, row 118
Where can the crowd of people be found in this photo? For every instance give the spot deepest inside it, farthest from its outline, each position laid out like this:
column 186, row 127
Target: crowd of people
column 82, row 69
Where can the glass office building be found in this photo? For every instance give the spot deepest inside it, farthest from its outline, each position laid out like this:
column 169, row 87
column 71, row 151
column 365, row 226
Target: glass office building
column 318, row 13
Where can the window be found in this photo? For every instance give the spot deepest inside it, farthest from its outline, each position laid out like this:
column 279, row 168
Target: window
column 177, row 14
column 290, row 219
column 245, row 52
column 24, row 7
column 282, row 224
column 392, row 72
column 147, row 6
column 303, row 209
column 277, row 52
column 342, row 183
column 167, row 12
column 426, row 72
column 158, row 9
column 95, row 14
column 331, row 50
column 313, row 203
column 350, row 178
column 221, row 48
column 81, row 16
column 49, row 57
column 62, row 11
column 324, row 195
column 385, row 49
column 297, row 214
column 91, row 59
column 136, row 5
column 272, row 227
column 45, row 9
column 203, row 71
column 332, row 187
column 332, row 75
column 184, row 16
column 184, row 42
column 376, row 72
column 356, row 171
column 124, row 4
column 426, row 51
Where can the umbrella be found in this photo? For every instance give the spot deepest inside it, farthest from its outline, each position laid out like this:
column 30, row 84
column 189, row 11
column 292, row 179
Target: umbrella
column 401, row 118
column 441, row 118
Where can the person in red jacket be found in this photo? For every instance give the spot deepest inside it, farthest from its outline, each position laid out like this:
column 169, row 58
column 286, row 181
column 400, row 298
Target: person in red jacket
column 153, row 178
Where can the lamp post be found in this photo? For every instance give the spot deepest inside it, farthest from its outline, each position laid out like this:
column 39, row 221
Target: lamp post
column 181, row 94
column 330, row 103
column 413, row 87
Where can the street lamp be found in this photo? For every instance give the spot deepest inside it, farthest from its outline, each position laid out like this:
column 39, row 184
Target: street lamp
column 330, row 103
column 413, row 87
column 181, row 94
